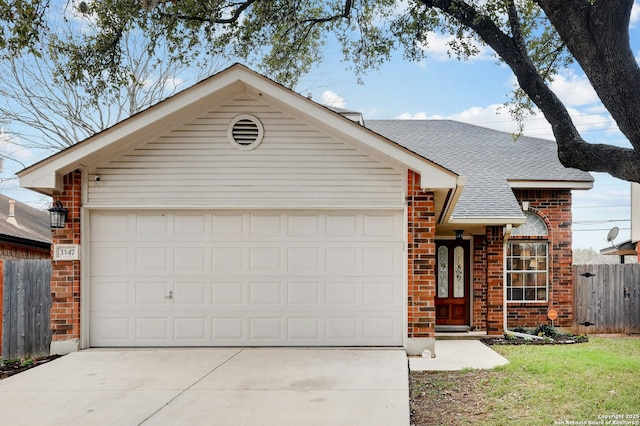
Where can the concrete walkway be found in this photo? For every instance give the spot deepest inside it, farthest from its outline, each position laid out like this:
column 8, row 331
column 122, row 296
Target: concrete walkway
column 212, row 387
column 454, row 355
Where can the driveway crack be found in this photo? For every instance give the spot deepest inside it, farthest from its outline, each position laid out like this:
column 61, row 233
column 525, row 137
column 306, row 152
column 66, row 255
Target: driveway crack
column 190, row 386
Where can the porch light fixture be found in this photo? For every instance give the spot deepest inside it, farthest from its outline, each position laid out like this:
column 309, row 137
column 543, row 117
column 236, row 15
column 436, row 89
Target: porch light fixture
column 57, row 215
column 459, row 233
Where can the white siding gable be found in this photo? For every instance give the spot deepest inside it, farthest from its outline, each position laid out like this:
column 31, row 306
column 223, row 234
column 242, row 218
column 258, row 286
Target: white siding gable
column 295, row 166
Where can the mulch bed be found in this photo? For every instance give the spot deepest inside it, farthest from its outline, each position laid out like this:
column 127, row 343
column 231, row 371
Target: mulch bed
column 14, row 366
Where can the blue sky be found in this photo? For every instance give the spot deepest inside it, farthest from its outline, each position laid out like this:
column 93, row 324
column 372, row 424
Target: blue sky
column 472, row 92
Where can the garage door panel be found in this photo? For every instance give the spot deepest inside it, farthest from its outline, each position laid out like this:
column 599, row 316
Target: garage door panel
column 225, row 294
column 194, row 225
column 190, row 259
column 341, row 329
column 191, row 294
column 111, row 330
column 266, row 225
column 229, row 259
column 303, row 328
column 192, row 331
column 152, row 225
column 303, row 293
column 379, row 328
column 112, row 259
column 151, row 259
column 303, row 225
column 229, row 330
column 243, row 278
column 265, row 329
column 341, row 225
column 229, row 225
column 152, row 329
column 265, row 293
column 381, row 259
column 266, row 259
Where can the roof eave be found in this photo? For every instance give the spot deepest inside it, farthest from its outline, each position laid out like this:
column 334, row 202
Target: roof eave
column 487, row 220
column 551, row 184
column 46, row 176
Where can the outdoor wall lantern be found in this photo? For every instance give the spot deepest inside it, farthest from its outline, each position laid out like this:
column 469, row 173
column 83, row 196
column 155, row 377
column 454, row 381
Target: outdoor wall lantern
column 459, row 233
column 58, row 215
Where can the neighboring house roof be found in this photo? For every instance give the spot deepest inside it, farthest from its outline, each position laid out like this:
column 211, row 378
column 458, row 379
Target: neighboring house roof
column 27, row 226
column 492, row 161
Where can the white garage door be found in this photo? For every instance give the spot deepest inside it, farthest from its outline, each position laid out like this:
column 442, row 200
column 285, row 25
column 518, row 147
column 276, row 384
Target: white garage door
column 246, row 278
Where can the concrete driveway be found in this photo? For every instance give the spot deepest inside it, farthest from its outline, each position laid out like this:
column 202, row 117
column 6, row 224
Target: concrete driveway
column 228, row 386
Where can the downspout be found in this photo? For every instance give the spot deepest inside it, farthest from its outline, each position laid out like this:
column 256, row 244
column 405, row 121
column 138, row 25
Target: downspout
column 507, row 233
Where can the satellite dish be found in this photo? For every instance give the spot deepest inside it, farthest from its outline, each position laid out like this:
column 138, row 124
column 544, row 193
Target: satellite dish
column 613, row 233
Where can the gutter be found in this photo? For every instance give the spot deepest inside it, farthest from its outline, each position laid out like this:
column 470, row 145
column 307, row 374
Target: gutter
column 507, row 233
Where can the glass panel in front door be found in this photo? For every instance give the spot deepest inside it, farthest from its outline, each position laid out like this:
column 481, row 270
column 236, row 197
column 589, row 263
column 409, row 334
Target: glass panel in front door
column 443, row 272
column 458, row 279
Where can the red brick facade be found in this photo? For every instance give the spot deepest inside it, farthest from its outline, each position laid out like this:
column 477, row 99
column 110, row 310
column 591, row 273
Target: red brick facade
column 421, row 279
column 65, row 275
column 554, row 206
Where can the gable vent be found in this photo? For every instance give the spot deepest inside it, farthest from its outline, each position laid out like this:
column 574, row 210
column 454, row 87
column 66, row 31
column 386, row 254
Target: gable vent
column 245, row 132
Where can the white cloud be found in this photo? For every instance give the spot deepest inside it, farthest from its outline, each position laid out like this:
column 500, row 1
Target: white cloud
column 169, row 84
column 10, row 148
column 574, row 89
column 496, row 116
column 438, row 47
column 415, row 116
column 332, row 99
column 635, row 14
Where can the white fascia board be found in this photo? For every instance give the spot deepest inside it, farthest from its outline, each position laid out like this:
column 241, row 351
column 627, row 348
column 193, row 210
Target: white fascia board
column 445, row 217
column 333, row 124
column 635, row 212
column 46, row 175
column 488, row 220
column 551, row 184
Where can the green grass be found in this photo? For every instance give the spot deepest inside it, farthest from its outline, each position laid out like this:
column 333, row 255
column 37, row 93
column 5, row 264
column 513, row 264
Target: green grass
column 554, row 383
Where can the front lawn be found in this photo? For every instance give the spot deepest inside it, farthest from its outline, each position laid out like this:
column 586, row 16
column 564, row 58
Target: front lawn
column 598, row 381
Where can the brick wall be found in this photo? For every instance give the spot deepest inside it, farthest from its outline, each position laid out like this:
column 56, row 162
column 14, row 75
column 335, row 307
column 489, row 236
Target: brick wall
column 65, row 275
column 421, row 260
column 554, row 206
column 479, row 275
column 495, row 279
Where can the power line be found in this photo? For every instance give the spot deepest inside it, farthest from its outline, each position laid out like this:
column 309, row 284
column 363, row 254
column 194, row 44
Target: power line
column 600, row 229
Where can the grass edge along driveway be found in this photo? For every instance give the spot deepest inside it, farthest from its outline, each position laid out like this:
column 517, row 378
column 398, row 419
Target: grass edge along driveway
column 588, row 383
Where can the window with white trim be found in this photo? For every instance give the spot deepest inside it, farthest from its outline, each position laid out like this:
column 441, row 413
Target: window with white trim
column 527, row 262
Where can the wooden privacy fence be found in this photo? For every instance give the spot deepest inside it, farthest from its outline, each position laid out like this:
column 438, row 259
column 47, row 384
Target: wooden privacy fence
column 25, row 305
column 607, row 297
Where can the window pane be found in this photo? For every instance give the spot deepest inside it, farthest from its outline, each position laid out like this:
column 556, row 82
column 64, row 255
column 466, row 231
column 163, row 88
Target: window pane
column 530, row 293
column 516, row 294
column 458, row 279
column 526, row 268
column 443, row 272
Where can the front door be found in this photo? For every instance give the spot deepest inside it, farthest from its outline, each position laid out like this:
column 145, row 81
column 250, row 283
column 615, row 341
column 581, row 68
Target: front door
column 452, row 283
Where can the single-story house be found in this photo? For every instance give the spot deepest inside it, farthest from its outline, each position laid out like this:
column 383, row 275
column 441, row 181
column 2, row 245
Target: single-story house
column 238, row 212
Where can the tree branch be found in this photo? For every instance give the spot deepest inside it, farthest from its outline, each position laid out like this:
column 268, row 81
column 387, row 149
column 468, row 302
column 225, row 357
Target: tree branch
column 573, row 150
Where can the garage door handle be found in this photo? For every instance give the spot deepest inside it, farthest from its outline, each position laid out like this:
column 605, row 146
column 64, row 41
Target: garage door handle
column 170, row 296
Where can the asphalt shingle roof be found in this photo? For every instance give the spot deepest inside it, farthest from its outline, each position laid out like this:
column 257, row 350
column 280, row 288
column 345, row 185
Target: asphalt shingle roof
column 488, row 158
column 33, row 224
